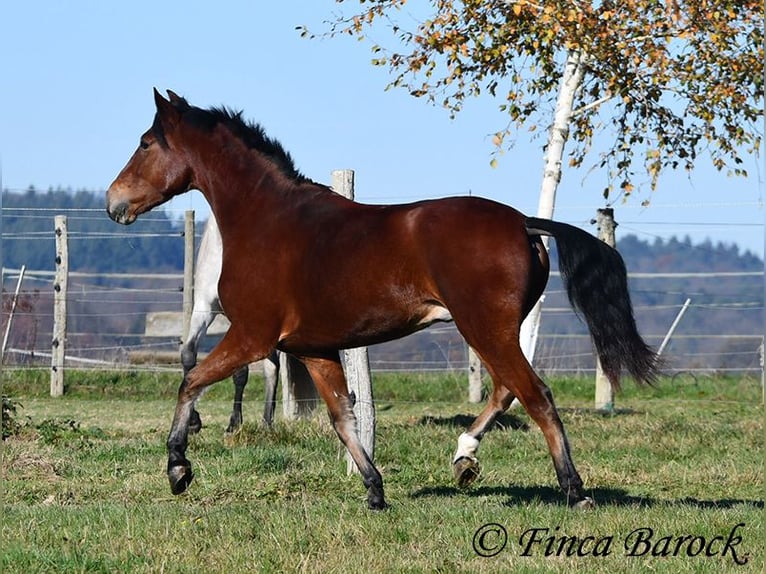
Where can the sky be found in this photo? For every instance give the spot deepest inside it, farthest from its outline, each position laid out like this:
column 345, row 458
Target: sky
column 77, row 80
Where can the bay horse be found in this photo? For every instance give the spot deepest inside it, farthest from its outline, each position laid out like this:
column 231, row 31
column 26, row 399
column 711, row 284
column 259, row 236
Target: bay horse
column 341, row 274
column 207, row 304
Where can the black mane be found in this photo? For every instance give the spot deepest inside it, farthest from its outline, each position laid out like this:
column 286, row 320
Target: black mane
column 252, row 134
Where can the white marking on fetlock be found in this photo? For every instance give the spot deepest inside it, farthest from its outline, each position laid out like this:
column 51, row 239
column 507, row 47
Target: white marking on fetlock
column 466, row 447
column 585, row 504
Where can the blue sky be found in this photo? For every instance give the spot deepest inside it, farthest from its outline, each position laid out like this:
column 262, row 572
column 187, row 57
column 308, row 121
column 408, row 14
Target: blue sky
column 77, row 93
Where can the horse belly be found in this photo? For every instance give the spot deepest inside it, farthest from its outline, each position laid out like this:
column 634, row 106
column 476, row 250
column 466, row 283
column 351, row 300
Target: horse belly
column 370, row 326
column 434, row 314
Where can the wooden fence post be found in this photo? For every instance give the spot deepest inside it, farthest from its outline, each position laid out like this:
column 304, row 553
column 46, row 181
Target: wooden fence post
column 59, row 306
column 188, row 287
column 604, row 393
column 356, row 361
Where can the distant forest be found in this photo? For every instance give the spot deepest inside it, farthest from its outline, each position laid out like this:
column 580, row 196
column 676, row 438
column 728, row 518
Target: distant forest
column 152, row 243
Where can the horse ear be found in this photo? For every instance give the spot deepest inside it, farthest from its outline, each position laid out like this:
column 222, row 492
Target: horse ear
column 166, row 111
column 178, row 102
column 175, row 98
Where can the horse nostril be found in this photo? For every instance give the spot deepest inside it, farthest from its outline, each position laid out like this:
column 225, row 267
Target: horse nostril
column 118, row 212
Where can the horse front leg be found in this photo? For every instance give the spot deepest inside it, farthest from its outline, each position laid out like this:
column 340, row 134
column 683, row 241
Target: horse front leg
column 330, row 381
column 202, row 316
column 229, row 355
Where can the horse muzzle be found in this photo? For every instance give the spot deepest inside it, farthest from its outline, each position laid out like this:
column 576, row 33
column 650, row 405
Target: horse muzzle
column 119, row 210
column 120, row 213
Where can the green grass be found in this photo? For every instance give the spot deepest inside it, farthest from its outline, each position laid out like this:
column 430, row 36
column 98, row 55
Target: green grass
column 84, row 488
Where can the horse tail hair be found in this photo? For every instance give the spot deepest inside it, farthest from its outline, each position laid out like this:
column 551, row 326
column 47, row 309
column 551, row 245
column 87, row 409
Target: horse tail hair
column 596, row 281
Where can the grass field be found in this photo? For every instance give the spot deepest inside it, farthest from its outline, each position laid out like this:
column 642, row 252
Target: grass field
column 677, row 472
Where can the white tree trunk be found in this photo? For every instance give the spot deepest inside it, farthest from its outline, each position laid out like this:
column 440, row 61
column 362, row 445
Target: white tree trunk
column 557, row 137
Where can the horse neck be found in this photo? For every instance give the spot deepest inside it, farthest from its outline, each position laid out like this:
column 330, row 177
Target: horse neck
column 241, row 184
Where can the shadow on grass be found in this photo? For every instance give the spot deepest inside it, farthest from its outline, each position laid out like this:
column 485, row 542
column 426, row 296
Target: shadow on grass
column 510, row 421
column 599, row 412
column 503, row 422
column 519, row 495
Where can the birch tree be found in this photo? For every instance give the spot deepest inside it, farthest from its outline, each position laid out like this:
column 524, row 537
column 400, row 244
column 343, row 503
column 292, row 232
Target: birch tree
column 635, row 87
column 657, row 84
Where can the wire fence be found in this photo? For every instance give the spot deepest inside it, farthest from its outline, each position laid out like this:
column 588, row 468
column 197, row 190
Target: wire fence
column 721, row 331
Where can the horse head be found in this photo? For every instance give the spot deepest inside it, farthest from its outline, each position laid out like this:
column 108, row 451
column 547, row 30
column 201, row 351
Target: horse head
column 157, row 170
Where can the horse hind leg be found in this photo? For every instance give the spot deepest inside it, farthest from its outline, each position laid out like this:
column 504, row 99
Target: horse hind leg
column 239, row 379
column 537, row 400
column 509, row 369
column 327, row 374
column 271, row 380
column 465, row 465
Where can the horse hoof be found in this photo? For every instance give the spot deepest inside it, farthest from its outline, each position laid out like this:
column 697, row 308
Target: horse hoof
column 466, row 471
column 180, row 477
column 376, row 500
column 586, row 503
column 378, row 504
column 233, row 425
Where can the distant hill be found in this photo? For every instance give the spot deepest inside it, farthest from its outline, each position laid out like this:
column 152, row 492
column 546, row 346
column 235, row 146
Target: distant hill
column 97, row 244
column 151, row 244
column 723, row 308
column 681, row 256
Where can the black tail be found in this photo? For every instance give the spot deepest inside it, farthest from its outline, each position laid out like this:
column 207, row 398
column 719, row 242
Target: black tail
column 597, row 284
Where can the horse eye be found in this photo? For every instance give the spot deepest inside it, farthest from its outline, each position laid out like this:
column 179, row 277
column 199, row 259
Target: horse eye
column 145, row 144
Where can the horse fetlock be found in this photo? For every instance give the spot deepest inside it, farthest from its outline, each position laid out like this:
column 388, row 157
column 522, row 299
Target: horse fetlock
column 180, row 476
column 587, row 503
column 576, row 498
column 466, row 470
column 195, row 422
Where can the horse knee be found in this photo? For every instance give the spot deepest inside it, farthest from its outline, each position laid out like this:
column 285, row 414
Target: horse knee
column 240, row 377
column 188, row 358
